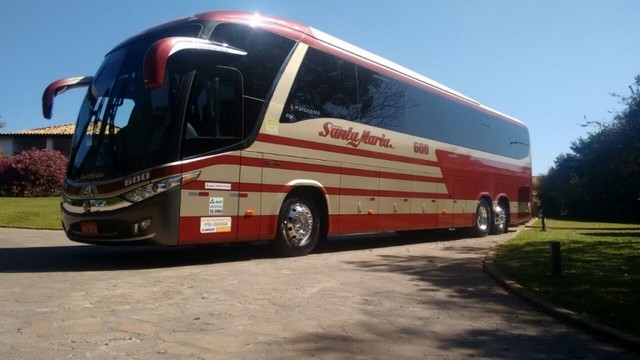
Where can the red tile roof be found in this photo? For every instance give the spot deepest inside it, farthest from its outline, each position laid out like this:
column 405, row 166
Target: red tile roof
column 64, row 129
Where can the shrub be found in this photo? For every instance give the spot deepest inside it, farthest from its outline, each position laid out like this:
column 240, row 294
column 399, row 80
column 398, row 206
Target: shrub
column 32, row 173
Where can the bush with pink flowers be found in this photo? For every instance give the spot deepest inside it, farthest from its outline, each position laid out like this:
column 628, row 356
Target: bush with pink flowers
column 32, row 173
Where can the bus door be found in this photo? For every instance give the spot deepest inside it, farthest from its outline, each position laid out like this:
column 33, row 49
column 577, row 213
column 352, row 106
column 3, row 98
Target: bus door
column 213, row 122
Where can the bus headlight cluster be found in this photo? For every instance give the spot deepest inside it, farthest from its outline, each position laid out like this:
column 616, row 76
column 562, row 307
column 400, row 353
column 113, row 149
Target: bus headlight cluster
column 158, row 187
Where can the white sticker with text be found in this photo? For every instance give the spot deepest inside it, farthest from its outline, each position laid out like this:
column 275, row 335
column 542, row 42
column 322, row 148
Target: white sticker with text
column 217, row 186
column 215, row 225
column 216, row 206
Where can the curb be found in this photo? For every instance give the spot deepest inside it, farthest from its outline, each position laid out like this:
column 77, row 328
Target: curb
column 629, row 341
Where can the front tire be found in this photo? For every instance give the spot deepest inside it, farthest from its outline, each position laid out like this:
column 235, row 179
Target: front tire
column 299, row 227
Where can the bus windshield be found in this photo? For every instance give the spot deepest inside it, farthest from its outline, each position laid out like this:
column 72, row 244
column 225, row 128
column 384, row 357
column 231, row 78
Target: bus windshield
column 200, row 107
column 122, row 127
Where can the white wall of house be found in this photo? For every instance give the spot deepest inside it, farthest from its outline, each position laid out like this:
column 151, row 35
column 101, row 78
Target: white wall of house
column 6, row 146
column 10, row 145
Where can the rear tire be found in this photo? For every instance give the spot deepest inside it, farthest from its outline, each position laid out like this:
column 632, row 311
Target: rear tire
column 483, row 218
column 500, row 223
column 299, row 227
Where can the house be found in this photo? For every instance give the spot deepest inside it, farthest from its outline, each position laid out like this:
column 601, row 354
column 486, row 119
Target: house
column 57, row 137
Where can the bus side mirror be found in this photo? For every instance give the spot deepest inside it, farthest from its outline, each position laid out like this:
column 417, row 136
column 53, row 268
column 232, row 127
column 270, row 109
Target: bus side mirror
column 58, row 87
column 155, row 59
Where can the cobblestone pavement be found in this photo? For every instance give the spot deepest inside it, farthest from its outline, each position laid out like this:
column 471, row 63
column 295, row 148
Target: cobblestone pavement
column 366, row 297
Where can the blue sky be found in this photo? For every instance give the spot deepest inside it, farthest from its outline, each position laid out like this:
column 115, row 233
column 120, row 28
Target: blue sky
column 547, row 63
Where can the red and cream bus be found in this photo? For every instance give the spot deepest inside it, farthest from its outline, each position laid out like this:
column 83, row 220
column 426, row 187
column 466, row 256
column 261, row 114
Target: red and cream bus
column 229, row 126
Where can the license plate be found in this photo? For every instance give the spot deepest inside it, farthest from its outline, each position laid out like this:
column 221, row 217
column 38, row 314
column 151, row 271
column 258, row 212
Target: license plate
column 89, row 227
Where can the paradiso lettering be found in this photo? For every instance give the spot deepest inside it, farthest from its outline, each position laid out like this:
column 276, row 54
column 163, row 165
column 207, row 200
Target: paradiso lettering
column 354, row 138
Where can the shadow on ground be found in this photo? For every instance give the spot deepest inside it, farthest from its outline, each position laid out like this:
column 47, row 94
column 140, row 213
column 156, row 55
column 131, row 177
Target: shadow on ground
column 105, row 258
column 469, row 292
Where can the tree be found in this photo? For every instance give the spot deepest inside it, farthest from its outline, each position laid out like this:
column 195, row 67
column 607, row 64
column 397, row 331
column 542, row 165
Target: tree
column 601, row 178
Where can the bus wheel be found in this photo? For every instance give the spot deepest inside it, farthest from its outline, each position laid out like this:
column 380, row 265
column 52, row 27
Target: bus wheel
column 483, row 219
column 500, row 221
column 298, row 227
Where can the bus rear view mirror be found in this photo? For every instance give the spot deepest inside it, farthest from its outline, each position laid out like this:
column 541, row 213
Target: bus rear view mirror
column 155, row 59
column 58, row 87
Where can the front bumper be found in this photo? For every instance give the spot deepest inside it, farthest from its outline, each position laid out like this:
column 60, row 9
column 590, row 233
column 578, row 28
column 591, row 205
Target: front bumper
column 152, row 221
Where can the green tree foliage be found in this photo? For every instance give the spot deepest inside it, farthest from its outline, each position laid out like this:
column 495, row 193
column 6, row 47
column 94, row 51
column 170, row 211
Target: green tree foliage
column 601, row 178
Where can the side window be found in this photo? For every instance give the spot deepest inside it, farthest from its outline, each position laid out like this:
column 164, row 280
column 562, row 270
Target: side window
column 435, row 117
column 213, row 117
column 266, row 52
column 324, row 87
column 382, row 101
column 421, row 111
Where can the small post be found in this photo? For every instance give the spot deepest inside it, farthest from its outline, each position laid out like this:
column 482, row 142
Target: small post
column 556, row 258
column 544, row 221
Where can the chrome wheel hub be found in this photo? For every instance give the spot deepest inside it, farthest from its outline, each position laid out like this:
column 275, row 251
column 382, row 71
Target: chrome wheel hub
column 482, row 218
column 298, row 225
column 501, row 217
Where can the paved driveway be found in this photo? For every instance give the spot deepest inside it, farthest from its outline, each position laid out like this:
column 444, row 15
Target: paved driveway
column 368, row 297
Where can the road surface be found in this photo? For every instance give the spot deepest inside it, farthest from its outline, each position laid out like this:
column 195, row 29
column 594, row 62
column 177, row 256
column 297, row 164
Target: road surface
column 366, row 297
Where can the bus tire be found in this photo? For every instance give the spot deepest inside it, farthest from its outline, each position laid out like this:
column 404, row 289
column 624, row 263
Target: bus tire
column 500, row 223
column 482, row 224
column 299, row 227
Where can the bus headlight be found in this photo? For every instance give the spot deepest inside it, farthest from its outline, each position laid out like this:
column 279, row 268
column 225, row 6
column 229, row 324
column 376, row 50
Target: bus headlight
column 158, row 187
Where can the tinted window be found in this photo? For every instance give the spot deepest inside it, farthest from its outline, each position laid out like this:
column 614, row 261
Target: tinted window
column 382, row 102
column 435, row 117
column 266, row 54
column 213, row 118
column 327, row 86
column 324, row 87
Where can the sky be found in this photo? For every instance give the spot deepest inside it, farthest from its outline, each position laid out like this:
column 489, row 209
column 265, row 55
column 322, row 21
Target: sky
column 552, row 64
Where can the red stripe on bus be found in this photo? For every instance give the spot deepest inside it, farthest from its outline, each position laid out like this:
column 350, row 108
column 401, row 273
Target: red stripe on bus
column 297, row 143
column 209, row 161
column 245, row 188
column 328, row 169
column 248, row 228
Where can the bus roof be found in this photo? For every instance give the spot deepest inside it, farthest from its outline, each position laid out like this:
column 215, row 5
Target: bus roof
column 323, row 41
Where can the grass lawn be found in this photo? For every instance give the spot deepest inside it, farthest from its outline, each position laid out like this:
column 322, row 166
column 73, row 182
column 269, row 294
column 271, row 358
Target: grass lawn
column 600, row 262
column 41, row 213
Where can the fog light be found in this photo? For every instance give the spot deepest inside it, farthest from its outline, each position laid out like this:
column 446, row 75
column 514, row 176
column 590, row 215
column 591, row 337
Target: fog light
column 144, row 224
column 140, row 226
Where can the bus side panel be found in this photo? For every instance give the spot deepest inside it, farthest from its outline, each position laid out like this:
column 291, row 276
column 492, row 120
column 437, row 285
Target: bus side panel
column 207, row 230
column 209, row 206
column 282, row 174
column 359, row 200
column 424, row 208
column 522, row 211
column 471, row 177
column 250, row 214
column 395, row 207
column 469, row 189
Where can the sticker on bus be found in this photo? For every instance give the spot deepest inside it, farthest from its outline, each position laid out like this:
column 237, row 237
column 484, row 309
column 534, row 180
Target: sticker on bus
column 217, row 186
column 271, row 126
column 215, row 225
column 216, row 206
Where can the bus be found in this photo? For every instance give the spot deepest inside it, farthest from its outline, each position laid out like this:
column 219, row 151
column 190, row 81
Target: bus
column 235, row 127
